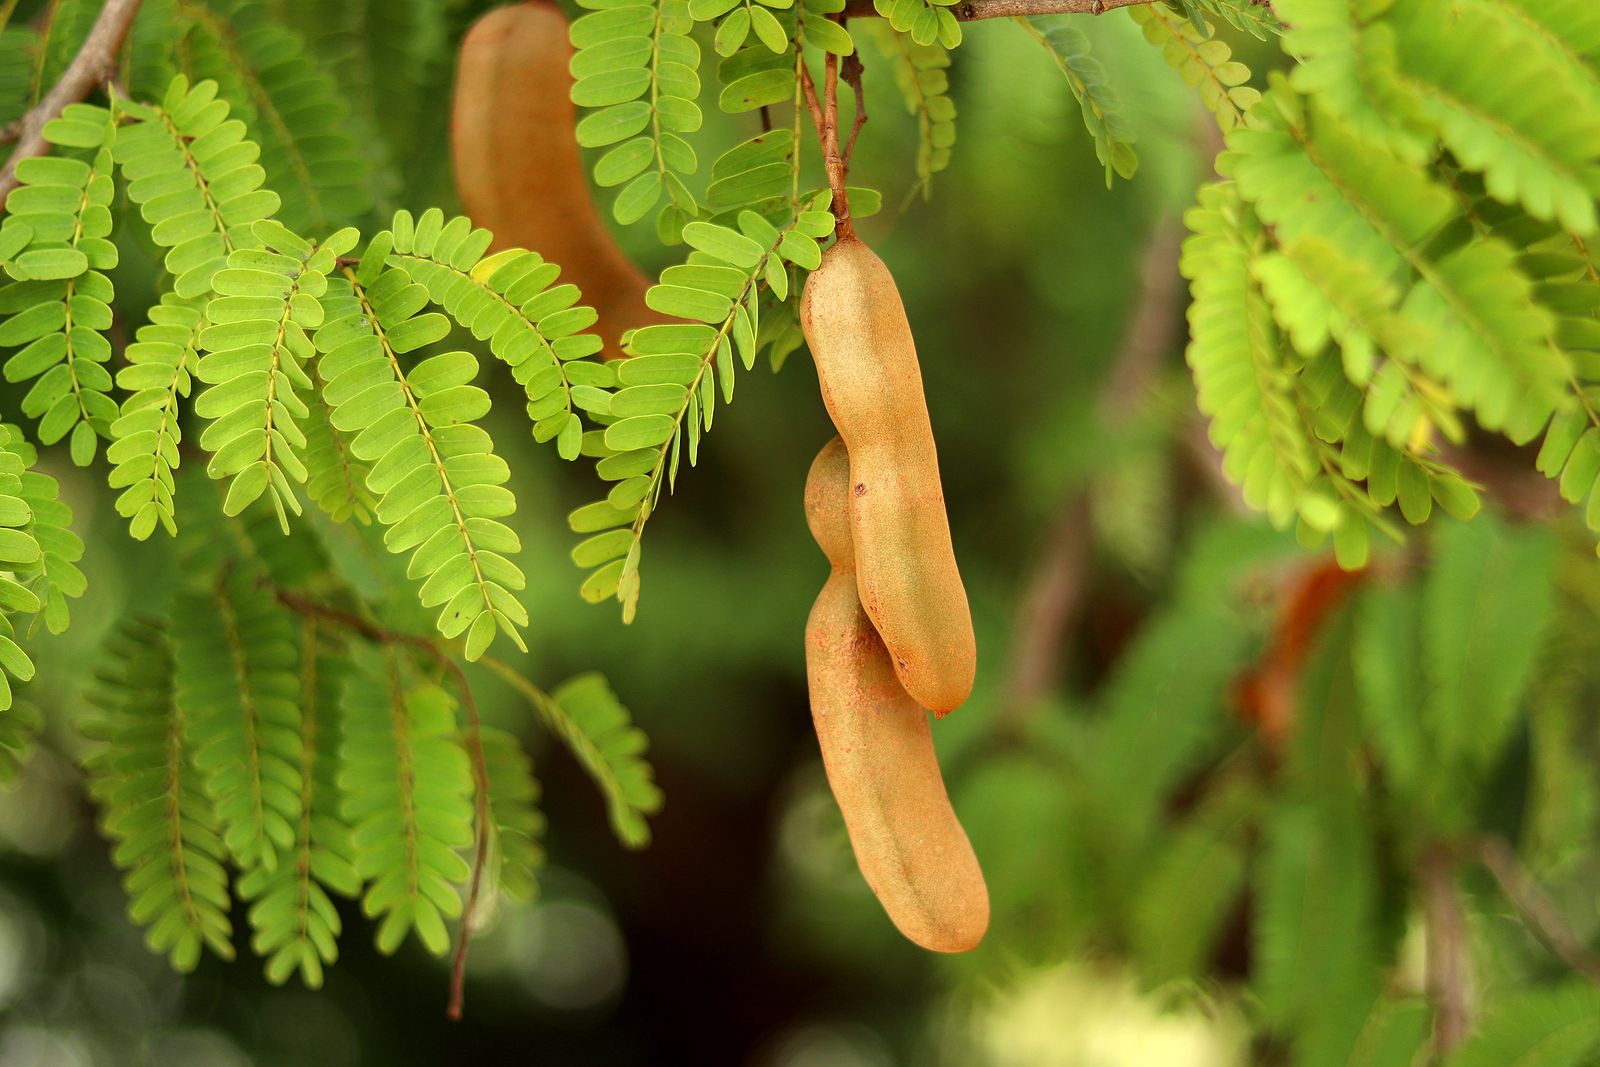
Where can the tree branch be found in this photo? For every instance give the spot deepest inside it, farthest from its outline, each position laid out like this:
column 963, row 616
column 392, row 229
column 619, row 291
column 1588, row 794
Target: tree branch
column 93, row 65
column 973, row 10
column 1446, row 948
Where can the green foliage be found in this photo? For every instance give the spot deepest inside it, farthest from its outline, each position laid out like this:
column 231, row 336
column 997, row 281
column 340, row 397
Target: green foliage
column 143, row 776
column 1205, row 63
column 53, row 242
column 1557, row 1027
column 920, row 72
column 509, row 299
column 924, row 21
column 638, row 69
column 1067, row 45
column 294, row 920
column 667, row 392
column 256, row 347
column 438, row 484
column 147, row 436
column 514, row 809
column 236, row 672
column 294, row 107
column 407, row 797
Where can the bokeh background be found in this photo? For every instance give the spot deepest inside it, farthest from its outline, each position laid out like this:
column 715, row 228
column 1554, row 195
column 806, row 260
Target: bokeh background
column 1120, row 595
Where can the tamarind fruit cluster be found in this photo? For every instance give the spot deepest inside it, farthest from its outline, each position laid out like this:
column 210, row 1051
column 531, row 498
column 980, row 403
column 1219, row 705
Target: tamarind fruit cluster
column 871, row 383
column 517, row 166
column 891, row 632
column 877, row 748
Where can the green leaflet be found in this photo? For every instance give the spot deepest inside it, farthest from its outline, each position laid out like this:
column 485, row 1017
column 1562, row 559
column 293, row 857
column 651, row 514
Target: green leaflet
column 1240, row 375
column 1204, row 63
column 640, row 75
column 147, row 434
column 236, row 655
column 194, row 175
column 438, row 484
column 1067, row 45
column 719, row 295
column 142, row 774
column 585, row 714
column 294, row 920
column 293, row 105
column 514, row 810
column 920, row 73
column 53, row 242
column 510, row 300
column 257, row 345
column 406, row 786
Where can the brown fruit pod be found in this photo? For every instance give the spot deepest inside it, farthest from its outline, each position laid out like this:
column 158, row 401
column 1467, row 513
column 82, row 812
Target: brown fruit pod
column 517, row 165
column 871, row 383
column 878, row 751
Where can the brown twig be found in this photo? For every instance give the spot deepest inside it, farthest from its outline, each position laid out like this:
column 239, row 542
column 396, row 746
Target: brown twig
column 1446, row 950
column 480, row 770
column 1536, row 907
column 92, row 66
column 974, row 10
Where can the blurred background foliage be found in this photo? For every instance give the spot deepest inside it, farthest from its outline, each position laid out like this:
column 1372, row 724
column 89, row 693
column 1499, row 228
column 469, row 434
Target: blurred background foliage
column 1232, row 808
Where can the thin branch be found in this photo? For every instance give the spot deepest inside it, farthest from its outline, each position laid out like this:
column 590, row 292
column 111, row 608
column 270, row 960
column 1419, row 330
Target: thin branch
column 973, row 10
column 480, row 770
column 91, row 67
column 1446, row 948
column 1536, row 907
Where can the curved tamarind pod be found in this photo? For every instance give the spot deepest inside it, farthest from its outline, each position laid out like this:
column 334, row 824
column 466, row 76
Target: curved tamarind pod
column 517, row 165
column 905, row 565
column 878, row 751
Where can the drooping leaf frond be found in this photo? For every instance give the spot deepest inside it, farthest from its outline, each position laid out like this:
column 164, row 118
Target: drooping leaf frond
column 195, row 177
column 439, row 485
column 924, row 21
column 271, row 80
column 1205, row 63
column 237, row 664
column 142, row 774
column 668, row 389
column 514, row 810
column 585, row 714
column 510, row 300
column 920, row 72
column 407, row 790
column 54, row 242
column 1240, row 375
column 147, row 436
column 1102, row 117
column 639, row 69
column 257, row 346
column 294, row 920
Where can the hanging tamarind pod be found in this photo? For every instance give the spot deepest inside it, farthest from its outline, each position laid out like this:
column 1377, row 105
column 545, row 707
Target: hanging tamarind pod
column 878, row 750
column 906, row 570
column 517, row 165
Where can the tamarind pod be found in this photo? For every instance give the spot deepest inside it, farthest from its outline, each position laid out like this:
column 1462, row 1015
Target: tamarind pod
column 517, row 165
column 906, row 569
column 878, row 751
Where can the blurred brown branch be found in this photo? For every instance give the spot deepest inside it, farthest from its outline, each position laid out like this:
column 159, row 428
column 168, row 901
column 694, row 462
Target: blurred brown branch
column 92, row 66
column 1536, row 907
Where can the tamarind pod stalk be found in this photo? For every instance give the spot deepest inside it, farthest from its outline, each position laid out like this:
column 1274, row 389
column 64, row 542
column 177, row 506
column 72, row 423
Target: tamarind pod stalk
column 878, row 750
column 906, row 569
column 517, row 165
